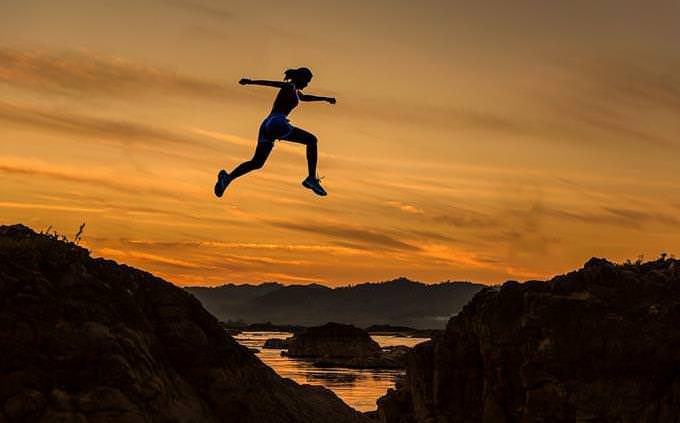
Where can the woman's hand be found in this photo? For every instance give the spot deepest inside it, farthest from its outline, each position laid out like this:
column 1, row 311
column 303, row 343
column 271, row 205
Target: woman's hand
column 331, row 100
column 244, row 81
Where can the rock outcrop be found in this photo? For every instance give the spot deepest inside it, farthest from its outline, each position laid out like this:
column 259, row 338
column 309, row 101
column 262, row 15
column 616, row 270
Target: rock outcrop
column 333, row 340
column 88, row 340
column 275, row 344
column 338, row 345
column 601, row 344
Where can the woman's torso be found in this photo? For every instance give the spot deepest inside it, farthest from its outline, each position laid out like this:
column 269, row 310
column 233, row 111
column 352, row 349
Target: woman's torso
column 285, row 100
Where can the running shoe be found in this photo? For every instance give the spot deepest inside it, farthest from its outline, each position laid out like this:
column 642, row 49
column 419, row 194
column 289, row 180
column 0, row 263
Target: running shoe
column 314, row 185
column 223, row 180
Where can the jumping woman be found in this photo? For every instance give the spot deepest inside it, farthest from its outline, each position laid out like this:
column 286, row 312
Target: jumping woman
column 277, row 126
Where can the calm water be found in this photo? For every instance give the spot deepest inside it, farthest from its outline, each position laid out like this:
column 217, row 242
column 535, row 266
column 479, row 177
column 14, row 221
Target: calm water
column 358, row 388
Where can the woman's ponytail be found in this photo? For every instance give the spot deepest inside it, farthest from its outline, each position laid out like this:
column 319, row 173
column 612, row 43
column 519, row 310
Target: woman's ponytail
column 299, row 74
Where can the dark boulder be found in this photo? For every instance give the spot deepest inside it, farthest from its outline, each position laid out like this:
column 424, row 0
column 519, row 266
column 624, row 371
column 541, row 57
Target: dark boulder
column 333, row 340
column 337, row 345
column 597, row 345
column 88, row 340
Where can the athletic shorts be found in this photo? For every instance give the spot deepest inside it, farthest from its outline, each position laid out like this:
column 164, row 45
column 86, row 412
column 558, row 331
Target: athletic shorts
column 275, row 126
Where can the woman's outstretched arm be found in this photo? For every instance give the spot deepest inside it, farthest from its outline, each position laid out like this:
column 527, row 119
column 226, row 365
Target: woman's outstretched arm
column 309, row 97
column 277, row 84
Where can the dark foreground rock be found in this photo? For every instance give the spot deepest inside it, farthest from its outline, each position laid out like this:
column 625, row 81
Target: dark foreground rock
column 601, row 344
column 87, row 340
column 333, row 340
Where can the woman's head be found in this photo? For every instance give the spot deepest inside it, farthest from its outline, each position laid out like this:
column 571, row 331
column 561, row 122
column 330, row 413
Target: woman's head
column 300, row 77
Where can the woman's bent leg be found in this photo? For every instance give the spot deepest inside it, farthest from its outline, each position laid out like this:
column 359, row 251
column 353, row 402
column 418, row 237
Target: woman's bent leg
column 259, row 158
column 303, row 137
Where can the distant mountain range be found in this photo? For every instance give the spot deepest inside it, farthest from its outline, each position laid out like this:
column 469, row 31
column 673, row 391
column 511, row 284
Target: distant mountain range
column 400, row 302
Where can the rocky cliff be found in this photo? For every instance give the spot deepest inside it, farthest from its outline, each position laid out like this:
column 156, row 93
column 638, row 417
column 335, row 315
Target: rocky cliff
column 88, row 340
column 601, row 344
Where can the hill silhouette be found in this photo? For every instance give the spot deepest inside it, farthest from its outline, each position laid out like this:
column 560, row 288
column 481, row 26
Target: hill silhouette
column 88, row 340
column 600, row 344
column 400, row 302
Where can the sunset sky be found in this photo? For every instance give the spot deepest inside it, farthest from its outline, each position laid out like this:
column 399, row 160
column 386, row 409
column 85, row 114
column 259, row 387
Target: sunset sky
column 481, row 141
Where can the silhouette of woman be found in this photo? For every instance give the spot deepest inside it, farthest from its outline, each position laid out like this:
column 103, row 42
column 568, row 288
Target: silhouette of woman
column 277, row 126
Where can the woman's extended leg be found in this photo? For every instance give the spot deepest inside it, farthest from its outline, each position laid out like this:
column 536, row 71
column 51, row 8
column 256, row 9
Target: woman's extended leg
column 303, row 137
column 261, row 153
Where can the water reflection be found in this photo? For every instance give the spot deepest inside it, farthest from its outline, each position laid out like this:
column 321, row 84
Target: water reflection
column 358, row 388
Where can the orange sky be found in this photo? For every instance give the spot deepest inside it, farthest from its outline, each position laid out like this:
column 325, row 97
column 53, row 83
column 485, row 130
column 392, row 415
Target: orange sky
column 486, row 142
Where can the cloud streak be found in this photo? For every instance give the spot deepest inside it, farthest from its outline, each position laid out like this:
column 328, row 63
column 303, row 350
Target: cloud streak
column 195, row 146
column 612, row 99
column 311, row 248
column 406, row 208
column 88, row 126
column 85, row 73
column 202, row 9
column 615, row 216
column 363, row 236
column 93, row 181
column 33, row 206
column 461, row 218
column 602, row 101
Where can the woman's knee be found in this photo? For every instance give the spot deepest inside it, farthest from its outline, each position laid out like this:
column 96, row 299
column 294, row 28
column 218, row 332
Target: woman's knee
column 311, row 139
column 257, row 163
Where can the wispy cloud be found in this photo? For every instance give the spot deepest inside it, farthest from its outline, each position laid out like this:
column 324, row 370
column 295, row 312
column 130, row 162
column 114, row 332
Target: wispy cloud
column 612, row 100
column 147, row 257
column 602, row 101
column 632, row 215
column 449, row 118
column 86, row 73
column 52, row 173
column 608, row 123
column 221, row 136
column 647, row 84
column 462, row 218
column 33, row 206
column 446, row 254
column 365, row 236
column 125, row 132
column 428, row 236
column 621, row 217
column 406, row 208
column 311, row 248
column 197, row 259
column 203, row 9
